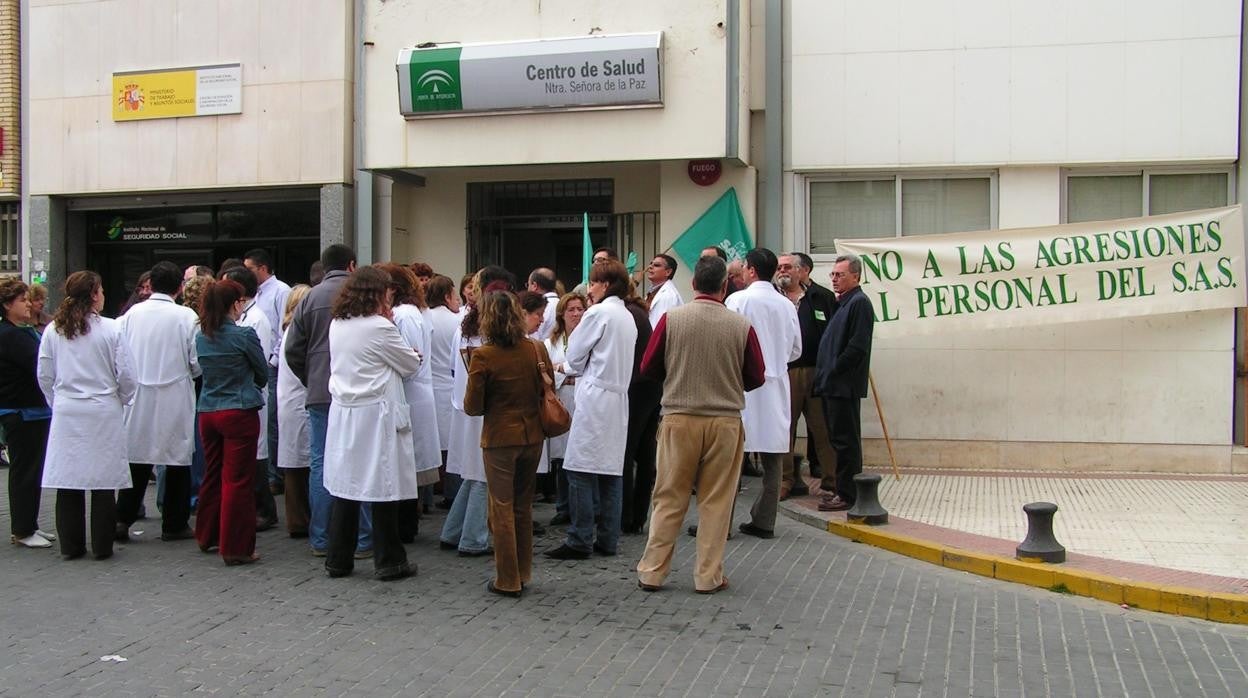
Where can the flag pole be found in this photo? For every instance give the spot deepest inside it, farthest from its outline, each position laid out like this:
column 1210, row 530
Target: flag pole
column 887, row 441
column 587, row 251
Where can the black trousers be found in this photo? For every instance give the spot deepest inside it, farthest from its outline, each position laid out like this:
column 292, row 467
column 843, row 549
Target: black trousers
column 640, row 448
column 409, row 519
column 71, row 524
column 28, row 444
column 176, row 513
column 389, row 555
column 266, row 505
column 844, row 418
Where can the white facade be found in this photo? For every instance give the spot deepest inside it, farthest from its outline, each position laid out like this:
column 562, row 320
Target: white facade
column 295, row 124
column 1020, row 100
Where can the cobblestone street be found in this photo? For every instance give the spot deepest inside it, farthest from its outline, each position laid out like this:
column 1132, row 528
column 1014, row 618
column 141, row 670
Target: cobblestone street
column 807, row 614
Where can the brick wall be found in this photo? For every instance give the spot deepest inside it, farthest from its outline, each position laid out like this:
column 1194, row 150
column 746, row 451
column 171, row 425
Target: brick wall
column 10, row 99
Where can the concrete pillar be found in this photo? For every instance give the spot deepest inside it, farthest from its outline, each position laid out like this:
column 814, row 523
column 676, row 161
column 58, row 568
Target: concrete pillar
column 337, row 215
column 46, row 235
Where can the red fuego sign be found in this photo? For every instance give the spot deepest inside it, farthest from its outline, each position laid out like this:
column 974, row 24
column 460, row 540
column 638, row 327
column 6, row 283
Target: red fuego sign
column 705, row 172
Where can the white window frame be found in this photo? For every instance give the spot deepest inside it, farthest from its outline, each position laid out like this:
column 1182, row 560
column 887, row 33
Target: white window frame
column 1144, row 173
column 801, row 203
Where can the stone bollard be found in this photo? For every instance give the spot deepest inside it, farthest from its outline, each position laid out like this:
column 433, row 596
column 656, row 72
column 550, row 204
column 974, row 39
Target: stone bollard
column 867, row 508
column 1040, row 544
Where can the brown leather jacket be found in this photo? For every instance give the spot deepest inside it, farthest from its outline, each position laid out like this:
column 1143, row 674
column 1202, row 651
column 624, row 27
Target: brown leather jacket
column 505, row 387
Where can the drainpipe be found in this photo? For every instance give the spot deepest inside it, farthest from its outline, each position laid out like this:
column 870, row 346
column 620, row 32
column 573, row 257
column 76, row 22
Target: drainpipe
column 1239, row 429
column 771, row 232
column 363, row 180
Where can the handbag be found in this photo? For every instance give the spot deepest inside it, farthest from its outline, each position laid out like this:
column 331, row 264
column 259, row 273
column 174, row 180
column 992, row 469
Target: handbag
column 553, row 416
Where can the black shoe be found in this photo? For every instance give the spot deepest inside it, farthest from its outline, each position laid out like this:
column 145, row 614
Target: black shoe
column 74, row 555
column 102, row 556
column 445, row 504
column 563, row 552
column 799, row 491
column 750, row 529
column 538, row 529
column 122, row 533
column 560, row 520
column 604, row 552
column 265, row 524
column 407, row 538
column 335, row 573
column 184, row 534
column 489, row 586
column 476, row 553
column 390, row 574
column 447, row 546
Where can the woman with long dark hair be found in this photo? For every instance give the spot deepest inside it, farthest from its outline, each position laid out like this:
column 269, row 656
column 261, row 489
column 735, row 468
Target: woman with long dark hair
column 24, row 413
column 369, row 455
column 409, row 316
column 84, row 371
column 505, row 388
column 235, row 370
column 600, row 355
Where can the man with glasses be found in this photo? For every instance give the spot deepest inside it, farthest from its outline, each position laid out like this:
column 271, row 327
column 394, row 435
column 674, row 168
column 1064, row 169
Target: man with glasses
column 841, row 376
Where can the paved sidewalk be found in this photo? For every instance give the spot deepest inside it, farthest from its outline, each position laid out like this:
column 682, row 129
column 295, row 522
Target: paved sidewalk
column 1142, row 533
column 807, row 614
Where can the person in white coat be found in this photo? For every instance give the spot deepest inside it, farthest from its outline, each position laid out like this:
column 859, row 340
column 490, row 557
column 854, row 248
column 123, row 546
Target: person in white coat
column 294, row 443
column 84, row 371
column 368, row 447
column 253, row 316
column 600, row 355
column 444, row 319
column 663, row 295
column 766, row 413
column 567, row 316
column 160, row 422
column 409, row 317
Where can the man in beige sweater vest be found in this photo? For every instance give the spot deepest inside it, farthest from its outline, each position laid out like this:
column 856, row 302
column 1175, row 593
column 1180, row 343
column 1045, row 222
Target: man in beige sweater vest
column 707, row 358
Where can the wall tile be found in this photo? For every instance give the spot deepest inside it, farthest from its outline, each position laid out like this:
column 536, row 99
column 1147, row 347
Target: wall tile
column 1092, row 389
column 1038, row 103
column 80, row 32
column 1207, row 109
column 280, row 123
column 872, row 87
column 872, row 26
column 47, row 135
column 1036, row 396
column 238, row 142
column 198, row 33
column 197, row 152
column 982, row 105
column 926, row 107
column 47, row 58
column 1094, row 89
column 280, row 41
column 323, row 143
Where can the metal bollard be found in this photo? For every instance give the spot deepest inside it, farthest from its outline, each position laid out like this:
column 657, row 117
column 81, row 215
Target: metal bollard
column 867, row 508
column 1040, row 544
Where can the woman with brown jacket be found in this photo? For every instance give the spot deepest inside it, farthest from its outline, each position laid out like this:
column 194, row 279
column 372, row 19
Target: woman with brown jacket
column 505, row 387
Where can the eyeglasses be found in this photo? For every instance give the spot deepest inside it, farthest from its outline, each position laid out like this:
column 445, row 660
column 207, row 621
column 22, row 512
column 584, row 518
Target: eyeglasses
column 839, row 274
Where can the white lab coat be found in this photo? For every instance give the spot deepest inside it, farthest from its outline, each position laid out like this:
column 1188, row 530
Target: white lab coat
column 253, row 317
column 666, row 298
column 294, row 441
column 418, row 389
column 600, row 354
column 87, row 381
column 558, row 445
column 463, row 455
column 368, row 445
column 548, row 317
column 766, row 413
column 442, row 357
column 160, row 421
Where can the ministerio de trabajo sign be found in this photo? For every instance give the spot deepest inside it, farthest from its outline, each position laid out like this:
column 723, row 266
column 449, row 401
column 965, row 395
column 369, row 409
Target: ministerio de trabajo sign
column 590, row 72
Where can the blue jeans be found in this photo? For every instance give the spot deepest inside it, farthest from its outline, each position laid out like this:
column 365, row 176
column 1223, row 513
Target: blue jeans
column 275, row 477
column 320, row 501
column 594, row 502
column 467, row 525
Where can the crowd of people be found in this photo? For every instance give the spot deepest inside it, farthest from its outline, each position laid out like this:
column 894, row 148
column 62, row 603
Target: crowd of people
column 363, row 397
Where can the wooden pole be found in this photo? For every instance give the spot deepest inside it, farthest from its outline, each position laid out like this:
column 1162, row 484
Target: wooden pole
column 887, row 441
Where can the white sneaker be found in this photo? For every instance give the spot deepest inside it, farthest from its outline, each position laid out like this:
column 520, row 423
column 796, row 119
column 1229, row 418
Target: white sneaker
column 34, row 540
column 46, row 535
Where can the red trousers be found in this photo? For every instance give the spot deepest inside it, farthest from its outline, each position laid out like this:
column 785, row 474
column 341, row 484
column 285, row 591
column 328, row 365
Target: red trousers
column 227, row 506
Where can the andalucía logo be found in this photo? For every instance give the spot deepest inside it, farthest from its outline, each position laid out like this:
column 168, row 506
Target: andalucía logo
column 114, row 228
column 435, row 83
column 131, row 97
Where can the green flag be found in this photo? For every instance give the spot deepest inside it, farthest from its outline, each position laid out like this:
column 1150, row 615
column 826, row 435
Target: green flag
column 722, row 226
column 587, row 252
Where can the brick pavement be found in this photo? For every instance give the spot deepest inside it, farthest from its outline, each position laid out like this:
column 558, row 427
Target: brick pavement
column 807, row 614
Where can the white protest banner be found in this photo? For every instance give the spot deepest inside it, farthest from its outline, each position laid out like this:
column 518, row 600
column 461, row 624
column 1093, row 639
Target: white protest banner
column 1064, row 273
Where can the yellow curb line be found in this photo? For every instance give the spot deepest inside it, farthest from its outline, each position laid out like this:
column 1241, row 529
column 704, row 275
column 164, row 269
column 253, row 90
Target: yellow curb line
column 1180, row 601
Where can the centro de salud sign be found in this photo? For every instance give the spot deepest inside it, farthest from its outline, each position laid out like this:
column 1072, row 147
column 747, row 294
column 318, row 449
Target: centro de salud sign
column 590, row 72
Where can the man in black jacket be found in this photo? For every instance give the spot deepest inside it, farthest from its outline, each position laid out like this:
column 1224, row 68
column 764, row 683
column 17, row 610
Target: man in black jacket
column 815, row 306
column 841, row 376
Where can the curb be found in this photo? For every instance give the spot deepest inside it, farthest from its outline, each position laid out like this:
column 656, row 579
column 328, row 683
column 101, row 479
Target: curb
column 1179, row 601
